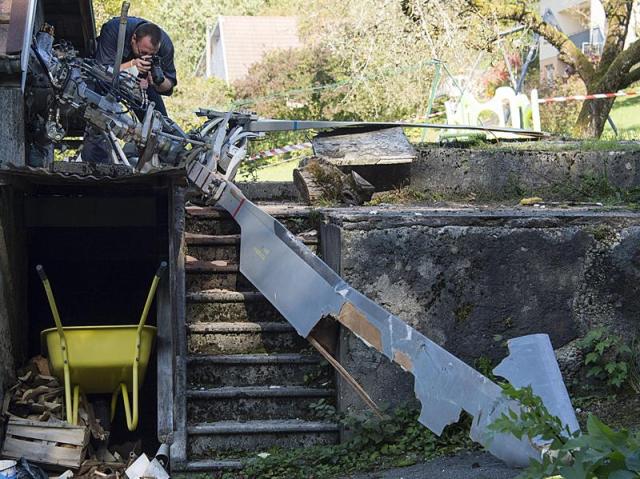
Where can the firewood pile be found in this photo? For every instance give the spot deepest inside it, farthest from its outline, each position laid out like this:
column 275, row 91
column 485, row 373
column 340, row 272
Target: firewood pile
column 37, row 395
column 37, row 432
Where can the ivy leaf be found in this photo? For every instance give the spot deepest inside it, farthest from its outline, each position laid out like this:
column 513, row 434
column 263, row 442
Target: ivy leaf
column 610, row 367
column 592, row 357
column 624, row 349
column 594, row 371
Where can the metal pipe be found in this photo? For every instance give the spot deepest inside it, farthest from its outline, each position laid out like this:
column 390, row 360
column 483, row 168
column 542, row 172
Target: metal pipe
column 120, row 50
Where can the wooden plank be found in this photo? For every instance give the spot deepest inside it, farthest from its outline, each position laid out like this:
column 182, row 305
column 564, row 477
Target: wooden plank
column 179, row 446
column 58, row 424
column 165, row 339
column 62, row 435
column 42, row 453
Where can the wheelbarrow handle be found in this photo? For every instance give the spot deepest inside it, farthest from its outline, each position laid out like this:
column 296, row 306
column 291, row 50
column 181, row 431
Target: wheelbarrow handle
column 41, row 273
column 161, row 268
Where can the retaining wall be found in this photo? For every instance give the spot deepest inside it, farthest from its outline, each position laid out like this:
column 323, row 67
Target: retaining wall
column 564, row 171
column 471, row 279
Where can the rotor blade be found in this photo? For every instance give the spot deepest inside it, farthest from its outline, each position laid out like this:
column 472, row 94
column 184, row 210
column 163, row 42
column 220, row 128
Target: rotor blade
column 264, row 125
column 304, row 290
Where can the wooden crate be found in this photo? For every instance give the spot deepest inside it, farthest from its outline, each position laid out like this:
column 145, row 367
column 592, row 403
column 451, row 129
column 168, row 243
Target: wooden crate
column 47, row 444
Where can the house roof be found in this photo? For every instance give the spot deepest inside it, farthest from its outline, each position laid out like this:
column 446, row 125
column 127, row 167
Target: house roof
column 246, row 39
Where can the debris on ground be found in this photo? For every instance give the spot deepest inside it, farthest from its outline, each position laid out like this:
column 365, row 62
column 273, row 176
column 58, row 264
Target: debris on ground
column 38, row 436
column 143, row 467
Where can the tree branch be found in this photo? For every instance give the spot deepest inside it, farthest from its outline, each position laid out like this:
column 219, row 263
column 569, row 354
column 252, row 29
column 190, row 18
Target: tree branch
column 619, row 71
column 618, row 14
column 631, row 77
column 568, row 52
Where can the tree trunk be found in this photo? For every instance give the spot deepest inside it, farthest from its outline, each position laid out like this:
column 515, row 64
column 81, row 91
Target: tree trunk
column 593, row 117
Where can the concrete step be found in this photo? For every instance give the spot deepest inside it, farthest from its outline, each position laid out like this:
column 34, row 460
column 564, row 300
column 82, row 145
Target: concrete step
column 205, row 465
column 277, row 210
column 217, row 221
column 195, row 265
column 249, row 403
column 206, row 440
column 243, row 338
column 227, row 305
column 219, row 274
column 198, row 239
column 254, row 369
column 207, row 247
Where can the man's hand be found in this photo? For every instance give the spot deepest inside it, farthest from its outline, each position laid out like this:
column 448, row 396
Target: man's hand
column 142, row 64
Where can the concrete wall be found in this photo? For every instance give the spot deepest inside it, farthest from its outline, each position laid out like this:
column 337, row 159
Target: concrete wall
column 498, row 173
column 470, row 280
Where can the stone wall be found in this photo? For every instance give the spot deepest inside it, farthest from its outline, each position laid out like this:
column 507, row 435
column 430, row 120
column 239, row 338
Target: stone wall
column 562, row 171
column 471, row 279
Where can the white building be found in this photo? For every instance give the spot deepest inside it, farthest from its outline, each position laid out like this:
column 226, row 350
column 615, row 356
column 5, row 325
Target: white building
column 237, row 42
column 585, row 23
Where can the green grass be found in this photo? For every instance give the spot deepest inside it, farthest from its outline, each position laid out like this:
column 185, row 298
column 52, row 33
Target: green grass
column 282, row 170
column 626, row 116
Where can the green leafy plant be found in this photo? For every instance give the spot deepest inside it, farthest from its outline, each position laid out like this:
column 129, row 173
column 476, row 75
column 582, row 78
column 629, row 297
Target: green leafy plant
column 607, row 357
column 396, row 440
column 598, row 453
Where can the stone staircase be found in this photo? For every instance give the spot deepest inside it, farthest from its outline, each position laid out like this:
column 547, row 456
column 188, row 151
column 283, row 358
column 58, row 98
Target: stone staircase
column 250, row 378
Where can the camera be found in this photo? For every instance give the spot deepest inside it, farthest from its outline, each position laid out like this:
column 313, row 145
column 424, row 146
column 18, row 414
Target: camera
column 156, row 70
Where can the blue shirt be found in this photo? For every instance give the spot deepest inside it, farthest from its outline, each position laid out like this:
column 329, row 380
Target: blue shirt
column 108, row 45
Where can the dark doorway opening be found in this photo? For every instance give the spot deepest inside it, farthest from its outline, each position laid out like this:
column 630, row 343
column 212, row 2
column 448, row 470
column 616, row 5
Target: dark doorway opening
column 100, row 246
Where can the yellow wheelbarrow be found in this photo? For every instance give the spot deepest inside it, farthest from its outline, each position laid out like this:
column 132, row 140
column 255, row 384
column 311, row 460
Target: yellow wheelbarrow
column 100, row 359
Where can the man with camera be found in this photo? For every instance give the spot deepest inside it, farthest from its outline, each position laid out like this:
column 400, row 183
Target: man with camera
column 148, row 53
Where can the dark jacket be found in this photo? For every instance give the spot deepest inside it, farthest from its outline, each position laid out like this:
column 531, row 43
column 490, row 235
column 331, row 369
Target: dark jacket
column 108, row 45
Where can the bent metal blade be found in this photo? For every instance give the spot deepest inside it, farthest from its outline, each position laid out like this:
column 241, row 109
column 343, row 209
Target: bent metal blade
column 304, row 290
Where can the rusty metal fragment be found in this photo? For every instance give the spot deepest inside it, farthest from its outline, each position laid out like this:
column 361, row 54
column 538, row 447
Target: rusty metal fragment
column 357, row 322
column 304, row 290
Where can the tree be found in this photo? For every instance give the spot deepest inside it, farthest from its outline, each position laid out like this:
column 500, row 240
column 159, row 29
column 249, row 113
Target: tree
column 616, row 69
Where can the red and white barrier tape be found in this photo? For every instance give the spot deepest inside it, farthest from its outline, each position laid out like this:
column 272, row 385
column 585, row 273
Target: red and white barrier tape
column 558, row 99
column 281, row 150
